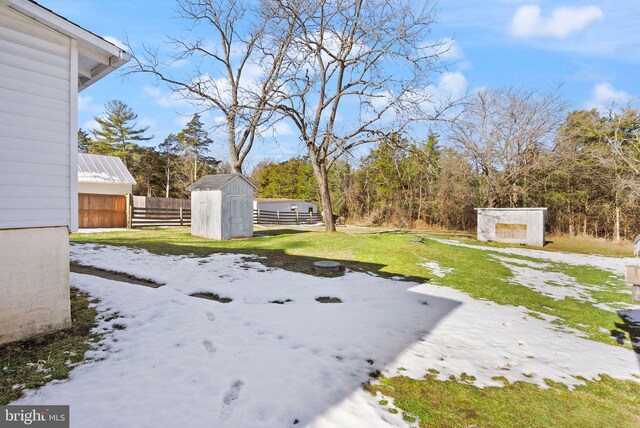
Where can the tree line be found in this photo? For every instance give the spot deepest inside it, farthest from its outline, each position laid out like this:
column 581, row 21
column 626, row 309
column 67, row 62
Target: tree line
column 508, row 148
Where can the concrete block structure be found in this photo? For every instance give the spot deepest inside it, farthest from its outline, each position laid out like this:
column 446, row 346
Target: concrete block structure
column 524, row 226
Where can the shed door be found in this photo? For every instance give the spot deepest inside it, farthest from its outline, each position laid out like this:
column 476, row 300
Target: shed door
column 238, row 214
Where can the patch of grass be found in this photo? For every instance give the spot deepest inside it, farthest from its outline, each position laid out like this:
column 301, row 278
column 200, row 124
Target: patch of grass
column 391, row 253
column 32, row 363
column 436, row 403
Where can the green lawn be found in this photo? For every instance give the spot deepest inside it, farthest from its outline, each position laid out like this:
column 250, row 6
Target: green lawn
column 392, row 253
column 607, row 402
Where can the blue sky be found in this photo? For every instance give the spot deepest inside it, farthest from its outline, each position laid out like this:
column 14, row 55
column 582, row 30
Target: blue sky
column 591, row 48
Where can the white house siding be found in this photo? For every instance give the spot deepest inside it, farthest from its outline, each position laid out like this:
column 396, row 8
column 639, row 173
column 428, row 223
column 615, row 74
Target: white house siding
column 105, row 188
column 533, row 218
column 37, row 124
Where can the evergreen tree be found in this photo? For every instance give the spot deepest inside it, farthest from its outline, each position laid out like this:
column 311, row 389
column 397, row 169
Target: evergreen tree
column 193, row 142
column 170, row 154
column 147, row 169
column 84, row 141
column 117, row 135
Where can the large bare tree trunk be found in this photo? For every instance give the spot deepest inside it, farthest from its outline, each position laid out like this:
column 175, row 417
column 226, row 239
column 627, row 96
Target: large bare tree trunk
column 320, row 171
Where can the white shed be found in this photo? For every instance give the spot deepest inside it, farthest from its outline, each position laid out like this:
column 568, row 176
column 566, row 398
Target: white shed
column 512, row 225
column 221, row 206
column 103, row 175
column 285, row 205
column 45, row 60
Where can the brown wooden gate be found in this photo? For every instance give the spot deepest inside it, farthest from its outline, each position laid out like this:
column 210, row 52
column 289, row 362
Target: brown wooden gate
column 102, row 211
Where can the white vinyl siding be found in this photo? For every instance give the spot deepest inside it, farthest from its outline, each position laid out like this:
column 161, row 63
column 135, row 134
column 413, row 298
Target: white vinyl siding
column 36, row 129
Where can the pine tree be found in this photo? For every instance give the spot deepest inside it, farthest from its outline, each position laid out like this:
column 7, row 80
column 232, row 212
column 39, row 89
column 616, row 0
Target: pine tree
column 84, row 141
column 117, row 135
column 194, row 144
column 170, row 153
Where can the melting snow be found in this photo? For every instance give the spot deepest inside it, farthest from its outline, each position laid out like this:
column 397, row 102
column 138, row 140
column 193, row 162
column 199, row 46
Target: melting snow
column 185, row 361
column 436, row 269
column 611, row 264
column 534, row 275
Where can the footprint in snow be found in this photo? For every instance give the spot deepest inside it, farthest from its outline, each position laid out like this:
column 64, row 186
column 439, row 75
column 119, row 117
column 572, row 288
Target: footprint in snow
column 229, row 400
column 211, row 316
column 208, row 346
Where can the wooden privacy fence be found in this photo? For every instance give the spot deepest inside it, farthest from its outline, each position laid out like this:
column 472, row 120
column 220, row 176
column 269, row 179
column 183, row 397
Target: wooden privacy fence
column 144, row 211
column 284, row 217
column 158, row 202
column 146, row 217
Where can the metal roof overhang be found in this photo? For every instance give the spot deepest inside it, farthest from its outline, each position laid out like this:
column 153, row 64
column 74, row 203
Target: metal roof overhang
column 96, row 56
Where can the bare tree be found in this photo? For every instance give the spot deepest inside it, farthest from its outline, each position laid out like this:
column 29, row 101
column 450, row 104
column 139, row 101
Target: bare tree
column 229, row 74
column 356, row 71
column 503, row 133
column 619, row 131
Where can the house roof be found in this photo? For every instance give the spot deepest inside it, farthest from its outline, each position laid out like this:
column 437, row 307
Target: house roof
column 217, row 182
column 102, row 169
column 96, row 56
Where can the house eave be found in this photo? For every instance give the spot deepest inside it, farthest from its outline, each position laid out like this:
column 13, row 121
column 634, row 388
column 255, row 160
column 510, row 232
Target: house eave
column 102, row 56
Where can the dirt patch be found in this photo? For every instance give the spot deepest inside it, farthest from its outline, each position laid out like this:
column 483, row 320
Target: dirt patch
column 327, row 299
column 112, row 275
column 212, row 296
column 280, row 302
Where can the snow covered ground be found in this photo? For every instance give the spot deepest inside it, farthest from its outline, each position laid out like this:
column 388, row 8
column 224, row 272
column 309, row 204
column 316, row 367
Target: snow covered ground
column 170, row 359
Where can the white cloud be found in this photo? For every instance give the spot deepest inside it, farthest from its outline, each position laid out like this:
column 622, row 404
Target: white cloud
column 83, row 102
column 90, row 124
column 453, row 84
column 86, row 105
column 604, row 95
column 116, row 42
column 147, row 121
column 165, row 99
column 278, row 129
column 529, row 22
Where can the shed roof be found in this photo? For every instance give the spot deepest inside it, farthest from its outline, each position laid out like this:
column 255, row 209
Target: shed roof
column 97, row 57
column 511, row 209
column 102, row 169
column 217, row 182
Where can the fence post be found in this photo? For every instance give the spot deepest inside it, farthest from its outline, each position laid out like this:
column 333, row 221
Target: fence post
column 129, row 199
column 297, row 217
column 258, row 215
column 278, row 217
column 181, row 222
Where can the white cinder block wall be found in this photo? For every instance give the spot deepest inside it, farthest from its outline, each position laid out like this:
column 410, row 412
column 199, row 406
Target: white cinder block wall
column 533, row 218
